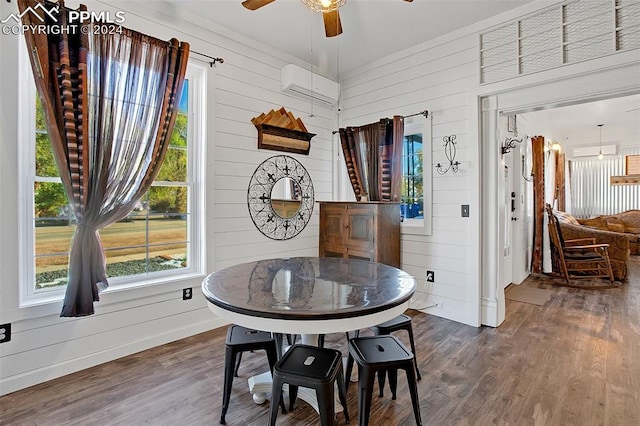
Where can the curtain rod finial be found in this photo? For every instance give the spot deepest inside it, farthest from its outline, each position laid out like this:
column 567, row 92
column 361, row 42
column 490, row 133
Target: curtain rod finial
column 213, row 62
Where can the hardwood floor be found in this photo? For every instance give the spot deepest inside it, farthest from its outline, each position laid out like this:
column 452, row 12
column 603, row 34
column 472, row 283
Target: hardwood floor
column 573, row 361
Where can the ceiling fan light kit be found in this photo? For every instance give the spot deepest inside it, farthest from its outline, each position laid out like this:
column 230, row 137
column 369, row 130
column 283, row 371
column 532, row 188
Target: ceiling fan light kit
column 330, row 12
column 324, row 5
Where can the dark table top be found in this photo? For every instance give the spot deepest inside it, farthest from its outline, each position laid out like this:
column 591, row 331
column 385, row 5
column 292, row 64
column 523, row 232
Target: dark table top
column 308, row 288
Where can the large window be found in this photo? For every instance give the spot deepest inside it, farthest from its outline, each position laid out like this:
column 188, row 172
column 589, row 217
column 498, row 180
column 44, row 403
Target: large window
column 416, row 177
column 154, row 242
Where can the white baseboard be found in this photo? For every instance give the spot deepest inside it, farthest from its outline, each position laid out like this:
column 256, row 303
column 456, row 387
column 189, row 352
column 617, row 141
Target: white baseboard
column 490, row 315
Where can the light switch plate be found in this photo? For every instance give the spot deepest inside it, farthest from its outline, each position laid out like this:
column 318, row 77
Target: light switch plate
column 464, row 209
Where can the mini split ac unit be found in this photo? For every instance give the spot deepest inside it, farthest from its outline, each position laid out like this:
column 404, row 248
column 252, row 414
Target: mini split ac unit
column 303, row 83
column 591, row 151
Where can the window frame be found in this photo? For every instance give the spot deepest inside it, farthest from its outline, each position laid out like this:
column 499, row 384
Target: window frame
column 28, row 295
column 415, row 125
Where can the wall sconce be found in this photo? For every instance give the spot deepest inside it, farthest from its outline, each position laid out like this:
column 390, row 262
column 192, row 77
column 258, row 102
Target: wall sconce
column 450, row 153
column 509, row 144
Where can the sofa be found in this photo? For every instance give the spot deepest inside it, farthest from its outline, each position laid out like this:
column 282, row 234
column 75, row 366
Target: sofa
column 627, row 223
column 619, row 251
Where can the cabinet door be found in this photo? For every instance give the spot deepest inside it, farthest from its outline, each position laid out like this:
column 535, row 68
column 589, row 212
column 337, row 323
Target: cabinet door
column 332, row 224
column 360, row 228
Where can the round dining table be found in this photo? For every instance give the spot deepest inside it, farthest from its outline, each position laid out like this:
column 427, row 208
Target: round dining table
column 307, row 296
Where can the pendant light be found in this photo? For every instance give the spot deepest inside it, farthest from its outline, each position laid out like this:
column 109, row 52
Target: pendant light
column 600, row 155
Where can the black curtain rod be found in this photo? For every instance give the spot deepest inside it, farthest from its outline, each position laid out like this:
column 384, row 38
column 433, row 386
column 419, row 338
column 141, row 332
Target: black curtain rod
column 213, row 60
column 425, row 113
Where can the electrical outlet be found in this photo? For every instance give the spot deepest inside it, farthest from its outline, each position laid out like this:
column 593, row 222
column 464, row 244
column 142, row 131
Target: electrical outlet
column 187, row 293
column 430, row 276
column 5, row 332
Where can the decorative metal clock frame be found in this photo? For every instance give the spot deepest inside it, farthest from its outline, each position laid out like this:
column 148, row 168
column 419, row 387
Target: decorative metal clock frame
column 259, row 197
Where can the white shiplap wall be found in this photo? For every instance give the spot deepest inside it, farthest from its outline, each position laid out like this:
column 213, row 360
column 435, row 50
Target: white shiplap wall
column 44, row 346
column 436, row 77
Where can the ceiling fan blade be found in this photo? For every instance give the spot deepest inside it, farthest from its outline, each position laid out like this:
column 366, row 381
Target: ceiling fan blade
column 332, row 25
column 255, row 4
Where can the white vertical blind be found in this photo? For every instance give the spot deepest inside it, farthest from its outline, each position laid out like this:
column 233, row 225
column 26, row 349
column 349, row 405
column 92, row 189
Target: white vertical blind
column 591, row 191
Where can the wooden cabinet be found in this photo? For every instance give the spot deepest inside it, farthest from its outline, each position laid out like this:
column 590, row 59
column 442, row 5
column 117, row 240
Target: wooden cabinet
column 364, row 230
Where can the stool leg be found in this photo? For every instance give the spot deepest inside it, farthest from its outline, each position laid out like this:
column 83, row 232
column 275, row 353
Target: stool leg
column 347, row 377
column 326, row 404
column 381, row 373
column 276, row 392
column 229, row 364
column 239, row 359
column 413, row 349
column 279, row 338
column 413, row 390
column 272, row 357
column 342, row 393
column 393, row 381
column 293, row 395
column 366, row 378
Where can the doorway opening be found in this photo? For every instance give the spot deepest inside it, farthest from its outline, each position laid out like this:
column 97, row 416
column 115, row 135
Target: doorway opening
column 506, row 243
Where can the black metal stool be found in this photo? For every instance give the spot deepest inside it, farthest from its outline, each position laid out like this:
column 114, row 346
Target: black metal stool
column 401, row 322
column 377, row 354
column 311, row 367
column 241, row 339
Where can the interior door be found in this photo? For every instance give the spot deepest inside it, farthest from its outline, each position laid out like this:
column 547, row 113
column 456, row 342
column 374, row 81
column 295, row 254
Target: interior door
column 509, row 214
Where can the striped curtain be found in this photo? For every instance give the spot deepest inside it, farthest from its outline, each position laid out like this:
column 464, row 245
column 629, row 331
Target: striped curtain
column 110, row 102
column 373, row 156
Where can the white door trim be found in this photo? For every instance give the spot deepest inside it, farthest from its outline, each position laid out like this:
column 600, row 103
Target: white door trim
column 592, row 84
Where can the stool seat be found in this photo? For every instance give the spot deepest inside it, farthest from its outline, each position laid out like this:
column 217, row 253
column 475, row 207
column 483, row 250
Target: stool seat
column 311, row 367
column 401, row 322
column 241, row 339
column 397, row 323
column 379, row 354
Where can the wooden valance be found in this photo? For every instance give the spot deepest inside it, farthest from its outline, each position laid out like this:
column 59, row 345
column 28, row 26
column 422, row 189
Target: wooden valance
column 279, row 130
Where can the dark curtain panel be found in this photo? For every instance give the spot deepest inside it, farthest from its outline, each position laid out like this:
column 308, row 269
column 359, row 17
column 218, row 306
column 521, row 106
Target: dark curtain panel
column 110, row 102
column 373, row 156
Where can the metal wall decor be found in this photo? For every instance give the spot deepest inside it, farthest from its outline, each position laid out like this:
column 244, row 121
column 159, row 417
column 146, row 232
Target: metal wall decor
column 270, row 222
column 450, row 153
column 509, row 144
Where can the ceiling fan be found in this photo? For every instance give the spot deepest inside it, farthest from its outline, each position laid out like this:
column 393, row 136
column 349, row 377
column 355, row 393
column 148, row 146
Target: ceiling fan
column 329, row 9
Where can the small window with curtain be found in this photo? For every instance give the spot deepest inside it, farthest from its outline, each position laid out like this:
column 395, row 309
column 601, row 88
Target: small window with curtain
column 415, row 207
column 412, row 206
